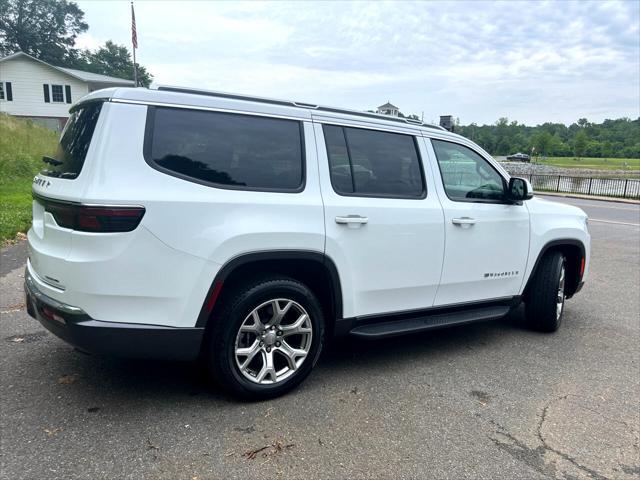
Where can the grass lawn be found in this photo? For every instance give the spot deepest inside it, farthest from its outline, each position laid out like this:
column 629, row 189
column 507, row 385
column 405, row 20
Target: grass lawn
column 22, row 145
column 593, row 163
column 15, row 214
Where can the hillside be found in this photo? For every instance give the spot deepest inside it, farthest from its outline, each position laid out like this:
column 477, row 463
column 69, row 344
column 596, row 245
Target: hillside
column 22, row 145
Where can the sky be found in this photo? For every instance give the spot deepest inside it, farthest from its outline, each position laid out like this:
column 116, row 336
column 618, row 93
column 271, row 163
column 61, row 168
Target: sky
column 528, row 61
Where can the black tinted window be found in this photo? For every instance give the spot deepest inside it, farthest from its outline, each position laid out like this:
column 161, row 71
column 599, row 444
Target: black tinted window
column 467, row 176
column 74, row 143
column 369, row 162
column 341, row 174
column 228, row 149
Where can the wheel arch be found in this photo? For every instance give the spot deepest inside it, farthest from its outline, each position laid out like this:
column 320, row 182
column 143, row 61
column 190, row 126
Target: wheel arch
column 574, row 252
column 314, row 269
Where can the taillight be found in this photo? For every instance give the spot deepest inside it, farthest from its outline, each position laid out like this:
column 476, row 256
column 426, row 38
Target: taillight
column 93, row 218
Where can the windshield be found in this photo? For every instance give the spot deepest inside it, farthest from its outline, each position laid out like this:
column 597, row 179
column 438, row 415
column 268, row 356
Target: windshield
column 74, row 143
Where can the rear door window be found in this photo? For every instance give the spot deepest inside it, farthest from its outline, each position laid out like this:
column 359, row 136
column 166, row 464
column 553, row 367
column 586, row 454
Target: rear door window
column 225, row 149
column 76, row 137
column 374, row 163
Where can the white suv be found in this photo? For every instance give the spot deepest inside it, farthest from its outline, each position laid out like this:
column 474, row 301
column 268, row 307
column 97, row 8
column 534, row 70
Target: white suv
column 178, row 223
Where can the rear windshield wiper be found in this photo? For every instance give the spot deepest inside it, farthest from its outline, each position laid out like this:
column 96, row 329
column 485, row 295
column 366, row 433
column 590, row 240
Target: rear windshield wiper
column 51, row 160
column 68, row 175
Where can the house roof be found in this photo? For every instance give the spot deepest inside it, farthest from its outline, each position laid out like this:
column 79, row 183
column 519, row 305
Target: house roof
column 95, row 77
column 387, row 106
column 78, row 74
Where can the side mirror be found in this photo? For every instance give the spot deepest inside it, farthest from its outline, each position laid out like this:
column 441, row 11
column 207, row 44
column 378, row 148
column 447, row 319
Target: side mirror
column 519, row 189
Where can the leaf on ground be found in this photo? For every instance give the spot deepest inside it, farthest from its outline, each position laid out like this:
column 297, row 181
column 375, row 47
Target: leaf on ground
column 16, row 307
column 52, row 432
column 67, row 379
column 481, row 397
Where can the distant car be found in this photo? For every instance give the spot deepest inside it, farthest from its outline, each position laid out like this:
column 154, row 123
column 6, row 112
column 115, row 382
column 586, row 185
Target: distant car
column 519, row 157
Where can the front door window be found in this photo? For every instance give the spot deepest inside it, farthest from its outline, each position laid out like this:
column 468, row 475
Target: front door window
column 467, row 177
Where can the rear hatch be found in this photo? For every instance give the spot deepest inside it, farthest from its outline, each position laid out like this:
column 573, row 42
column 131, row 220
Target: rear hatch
column 59, row 193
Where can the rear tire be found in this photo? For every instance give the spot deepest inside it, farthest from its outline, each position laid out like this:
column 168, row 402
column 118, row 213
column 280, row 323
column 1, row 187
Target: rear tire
column 266, row 338
column 544, row 304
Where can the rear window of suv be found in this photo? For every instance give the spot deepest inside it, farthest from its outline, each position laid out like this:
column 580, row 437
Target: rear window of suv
column 74, row 143
column 225, row 149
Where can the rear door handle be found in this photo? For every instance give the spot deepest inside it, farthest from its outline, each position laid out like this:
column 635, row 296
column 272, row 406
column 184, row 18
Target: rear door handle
column 463, row 221
column 352, row 220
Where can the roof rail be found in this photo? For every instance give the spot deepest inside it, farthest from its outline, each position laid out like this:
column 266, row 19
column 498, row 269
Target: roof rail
column 289, row 103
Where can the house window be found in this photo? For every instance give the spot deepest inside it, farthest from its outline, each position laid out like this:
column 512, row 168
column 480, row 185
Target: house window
column 6, row 92
column 57, row 94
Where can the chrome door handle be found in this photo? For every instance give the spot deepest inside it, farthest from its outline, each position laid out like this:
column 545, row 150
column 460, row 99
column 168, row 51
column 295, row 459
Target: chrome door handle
column 463, row 221
column 351, row 220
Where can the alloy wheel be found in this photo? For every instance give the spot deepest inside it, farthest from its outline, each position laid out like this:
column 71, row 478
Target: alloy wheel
column 273, row 341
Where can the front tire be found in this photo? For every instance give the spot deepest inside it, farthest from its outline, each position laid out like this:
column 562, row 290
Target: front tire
column 544, row 304
column 267, row 338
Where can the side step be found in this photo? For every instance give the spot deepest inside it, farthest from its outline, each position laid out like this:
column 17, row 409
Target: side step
column 428, row 322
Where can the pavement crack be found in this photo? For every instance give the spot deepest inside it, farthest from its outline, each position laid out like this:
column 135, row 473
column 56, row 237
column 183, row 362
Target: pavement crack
column 543, row 417
column 533, row 457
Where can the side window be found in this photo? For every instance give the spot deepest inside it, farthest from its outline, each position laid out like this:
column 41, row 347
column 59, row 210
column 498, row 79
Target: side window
column 226, row 149
column 466, row 176
column 373, row 163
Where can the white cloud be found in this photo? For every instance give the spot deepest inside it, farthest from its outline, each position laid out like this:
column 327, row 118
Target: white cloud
column 530, row 61
column 88, row 41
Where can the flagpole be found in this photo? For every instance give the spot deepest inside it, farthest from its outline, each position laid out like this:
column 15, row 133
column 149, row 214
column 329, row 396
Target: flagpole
column 135, row 68
column 134, row 40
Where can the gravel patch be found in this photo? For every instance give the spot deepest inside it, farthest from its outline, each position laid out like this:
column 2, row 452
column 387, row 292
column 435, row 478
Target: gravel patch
column 521, row 168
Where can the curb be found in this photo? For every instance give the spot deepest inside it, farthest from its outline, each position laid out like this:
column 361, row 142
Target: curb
column 589, row 197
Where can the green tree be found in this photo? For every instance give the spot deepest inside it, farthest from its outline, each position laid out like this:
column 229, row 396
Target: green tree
column 611, row 138
column 543, row 141
column 583, row 122
column 580, row 144
column 45, row 29
column 114, row 60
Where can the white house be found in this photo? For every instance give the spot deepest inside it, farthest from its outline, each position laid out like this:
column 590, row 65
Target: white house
column 43, row 92
column 388, row 109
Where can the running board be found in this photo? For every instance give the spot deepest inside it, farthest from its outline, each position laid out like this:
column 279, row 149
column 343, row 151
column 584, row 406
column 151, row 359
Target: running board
column 428, row 322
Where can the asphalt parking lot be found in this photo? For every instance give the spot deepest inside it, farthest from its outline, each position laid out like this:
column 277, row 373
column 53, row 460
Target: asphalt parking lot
column 489, row 400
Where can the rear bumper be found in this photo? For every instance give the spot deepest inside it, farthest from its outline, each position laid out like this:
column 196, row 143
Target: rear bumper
column 75, row 327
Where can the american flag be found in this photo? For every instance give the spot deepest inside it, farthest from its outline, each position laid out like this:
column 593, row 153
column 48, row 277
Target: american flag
column 134, row 34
